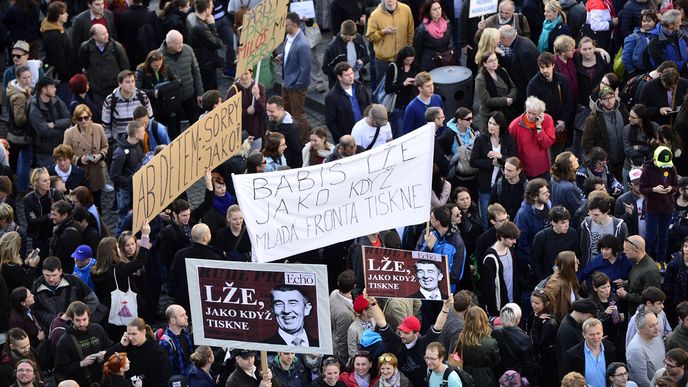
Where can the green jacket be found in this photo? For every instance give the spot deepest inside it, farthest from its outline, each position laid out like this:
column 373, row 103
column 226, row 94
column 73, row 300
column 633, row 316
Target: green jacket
column 480, row 361
column 678, row 338
column 643, row 274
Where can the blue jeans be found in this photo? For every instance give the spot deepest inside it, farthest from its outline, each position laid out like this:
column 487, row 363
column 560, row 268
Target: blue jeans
column 224, row 29
column 484, row 199
column 657, row 238
column 397, row 122
column 123, row 202
column 24, row 166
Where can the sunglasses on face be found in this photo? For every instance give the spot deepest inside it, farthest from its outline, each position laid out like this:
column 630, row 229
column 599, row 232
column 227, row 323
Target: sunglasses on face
column 84, row 118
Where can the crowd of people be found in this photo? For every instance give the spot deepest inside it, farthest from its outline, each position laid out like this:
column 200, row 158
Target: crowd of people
column 561, row 199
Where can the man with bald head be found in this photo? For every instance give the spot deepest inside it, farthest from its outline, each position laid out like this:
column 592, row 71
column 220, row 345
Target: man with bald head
column 644, row 273
column 176, row 340
column 200, row 248
column 347, row 147
column 102, row 58
column 180, row 57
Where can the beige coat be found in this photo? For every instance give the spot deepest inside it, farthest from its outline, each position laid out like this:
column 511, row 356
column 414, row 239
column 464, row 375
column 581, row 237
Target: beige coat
column 85, row 143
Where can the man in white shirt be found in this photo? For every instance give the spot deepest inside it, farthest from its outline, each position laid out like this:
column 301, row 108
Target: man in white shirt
column 373, row 130
column 291, row 306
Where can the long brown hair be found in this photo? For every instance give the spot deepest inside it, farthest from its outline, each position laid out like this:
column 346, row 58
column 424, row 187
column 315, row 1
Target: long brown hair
column 107, row 256
column 153, row 56
column 476, row 326
column 566, row 267
column 313, row 154
column 141, row 325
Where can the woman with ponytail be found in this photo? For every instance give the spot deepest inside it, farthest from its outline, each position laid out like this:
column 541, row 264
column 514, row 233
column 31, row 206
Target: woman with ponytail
column 148, row 361
column 114, row 369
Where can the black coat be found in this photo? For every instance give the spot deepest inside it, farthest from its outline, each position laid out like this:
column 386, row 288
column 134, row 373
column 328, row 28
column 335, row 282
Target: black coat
column 205, row 40
column 426, row 46
column 489, row 273
column 585, row 83
column 128, row 23
column 595, row 133
column 41, row 226
column 66, row 238
column 568, row 335
column 654, row 96
column 104, row 283
column 554, row 94
column 574, row 358
column 178, row 279
column 479, row 159
column 338, row 111
column 148, row 361
column 291, row 135
column 58, row 54
column 76, row 178
column 336, row 52
column 516, row 351
column 522, row 66
column 81, row 28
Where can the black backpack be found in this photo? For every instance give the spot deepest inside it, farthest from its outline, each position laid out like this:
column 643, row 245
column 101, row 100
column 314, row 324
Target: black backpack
column 466, row 378
column 630, row 94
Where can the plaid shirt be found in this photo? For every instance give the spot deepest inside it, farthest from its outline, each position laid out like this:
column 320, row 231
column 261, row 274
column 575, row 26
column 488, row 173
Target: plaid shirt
column 175, row 352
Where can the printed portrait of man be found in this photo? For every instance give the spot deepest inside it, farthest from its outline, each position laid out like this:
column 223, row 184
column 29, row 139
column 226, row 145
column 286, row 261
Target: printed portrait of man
column 291, row 306
column 429, row 277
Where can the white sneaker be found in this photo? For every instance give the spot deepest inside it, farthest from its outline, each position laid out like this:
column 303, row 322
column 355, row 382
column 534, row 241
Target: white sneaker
column 108, row 188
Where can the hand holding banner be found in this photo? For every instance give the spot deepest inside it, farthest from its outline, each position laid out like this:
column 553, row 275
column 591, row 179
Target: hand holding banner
column 293, row 211
column 264, row 307
column 405, row 274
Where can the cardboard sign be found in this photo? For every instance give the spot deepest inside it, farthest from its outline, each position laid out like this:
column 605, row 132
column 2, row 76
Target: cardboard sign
column 293, row 211
column 305, row 9
column 263, row 307
column 206, row 144
column 262, row 30
column 482, row 7
column 405, row 274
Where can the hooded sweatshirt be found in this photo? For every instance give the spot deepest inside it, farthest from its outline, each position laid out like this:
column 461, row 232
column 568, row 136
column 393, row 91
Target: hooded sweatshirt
column 18, row 97
column 84, row 273
column 613, row 120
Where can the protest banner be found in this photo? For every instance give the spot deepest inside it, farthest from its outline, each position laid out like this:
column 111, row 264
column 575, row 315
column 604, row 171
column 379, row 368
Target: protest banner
column 206, row 144
column 397, row 273
column 259, row 307
column 262, row 30
column 293, row 211
column 482, row 7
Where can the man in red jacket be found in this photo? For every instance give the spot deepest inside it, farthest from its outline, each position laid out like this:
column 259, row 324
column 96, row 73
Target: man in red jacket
column 534, row 135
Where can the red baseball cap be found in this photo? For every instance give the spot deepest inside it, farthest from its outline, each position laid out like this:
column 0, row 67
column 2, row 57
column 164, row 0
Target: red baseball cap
column 410, row 324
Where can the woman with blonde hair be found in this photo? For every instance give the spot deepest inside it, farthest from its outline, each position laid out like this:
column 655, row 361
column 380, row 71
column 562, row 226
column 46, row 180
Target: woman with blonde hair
column 477, row 348
column 390, row 376
column 112, row 271
column 489, row 40
column 199, row 373
column 554, row 25
column 15, row 271
column 562, row 287
column 114, row 369
column 90, row 147
column 37, row 206
column 147, row 357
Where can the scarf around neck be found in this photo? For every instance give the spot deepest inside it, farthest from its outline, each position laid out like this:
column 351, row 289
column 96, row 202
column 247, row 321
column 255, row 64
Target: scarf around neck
column 394, row 381
column 436, row 29
column 547, row 27
column 221, row 204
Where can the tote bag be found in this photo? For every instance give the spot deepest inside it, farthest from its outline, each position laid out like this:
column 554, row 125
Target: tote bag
column 123, row 305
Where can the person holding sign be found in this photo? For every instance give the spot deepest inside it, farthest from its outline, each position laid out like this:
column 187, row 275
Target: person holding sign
column 291, row 306
column 246, row 374
column 409, row 345
column 441, row 239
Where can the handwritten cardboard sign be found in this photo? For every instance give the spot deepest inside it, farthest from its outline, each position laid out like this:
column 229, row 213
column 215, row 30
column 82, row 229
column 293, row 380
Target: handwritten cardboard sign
column 482, row 7
column 405, row 274
column 207, row 143
column 263, row 307
column 261, row 32
column 293, row 211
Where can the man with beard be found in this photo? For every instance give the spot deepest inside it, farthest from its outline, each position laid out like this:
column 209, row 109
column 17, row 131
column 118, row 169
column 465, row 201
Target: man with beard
column 82, row 348
column 282, row 122
column 26, row 374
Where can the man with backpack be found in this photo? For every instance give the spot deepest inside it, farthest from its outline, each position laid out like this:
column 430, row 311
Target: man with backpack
column 439, row 373
column 175, row 339
column 126, row 160
column 156, row 133
column 119, row 106
column 102, row 58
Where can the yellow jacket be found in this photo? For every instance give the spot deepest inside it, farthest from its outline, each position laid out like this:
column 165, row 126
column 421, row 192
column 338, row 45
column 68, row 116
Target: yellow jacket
column 387, row 46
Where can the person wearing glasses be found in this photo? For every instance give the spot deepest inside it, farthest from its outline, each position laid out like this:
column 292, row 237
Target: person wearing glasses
column 675, row 364
column 390, row 376
column 438, row 375
column 617, row 376
column 459, row 132
column 330, row 374
column 89, row 146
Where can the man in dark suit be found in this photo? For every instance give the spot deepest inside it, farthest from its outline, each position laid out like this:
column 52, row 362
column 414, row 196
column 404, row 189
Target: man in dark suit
column 521, row 62
column 199, row 248
column 291, row 306
column 429, row 276
column 592, row 356
column 95, row 14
